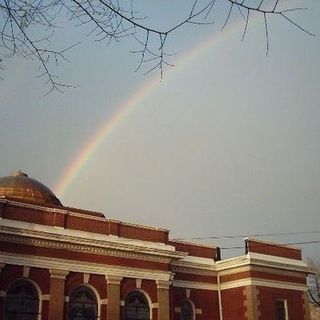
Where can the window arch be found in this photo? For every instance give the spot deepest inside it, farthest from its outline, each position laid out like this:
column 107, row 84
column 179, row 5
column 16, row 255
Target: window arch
column 21, row 301
column 187, row 310
column 136, row 306
column 83, row 304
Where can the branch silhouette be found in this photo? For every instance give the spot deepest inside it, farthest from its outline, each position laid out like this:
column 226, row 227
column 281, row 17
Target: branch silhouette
column 27, row 29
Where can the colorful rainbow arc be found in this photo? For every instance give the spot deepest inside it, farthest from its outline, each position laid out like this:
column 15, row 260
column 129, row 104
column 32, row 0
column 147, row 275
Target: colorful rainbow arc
column 91, row 146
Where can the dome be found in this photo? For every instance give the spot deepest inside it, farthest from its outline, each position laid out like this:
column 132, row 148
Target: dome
column 18, row 186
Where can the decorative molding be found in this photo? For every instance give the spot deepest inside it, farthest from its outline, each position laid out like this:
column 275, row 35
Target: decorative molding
column 138, row 283
column 66, row 299
column 163, row 284
column 198, row 311
column 188, row 292
column 58, row 273
column 82, row 241
column 113, row 279
column 177, row 309
column 194, row 285
column 183, row 267
column 86, row 278
column 45, row 297
column 155, row 305
column 122, row 303
column 26, row 271
column 263, row 283
column 84, row 267
column 104, row 301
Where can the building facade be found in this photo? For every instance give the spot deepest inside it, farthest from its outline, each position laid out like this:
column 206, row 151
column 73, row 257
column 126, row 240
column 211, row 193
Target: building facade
column 58, row 262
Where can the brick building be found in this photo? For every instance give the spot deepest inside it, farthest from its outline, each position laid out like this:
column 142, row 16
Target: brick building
column 58, row 262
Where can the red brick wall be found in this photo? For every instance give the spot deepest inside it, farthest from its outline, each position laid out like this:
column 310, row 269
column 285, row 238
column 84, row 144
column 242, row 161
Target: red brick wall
column 195, row 277
column 195, row 250
column 83, row 222
column 269, row 296
column 273, row 249
column 206, row 300
column 233, row 304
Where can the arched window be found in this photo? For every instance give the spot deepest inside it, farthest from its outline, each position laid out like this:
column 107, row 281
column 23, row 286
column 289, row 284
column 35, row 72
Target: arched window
column 136, row 306
column 83, row 304
column 21, row 301
column 187, row 310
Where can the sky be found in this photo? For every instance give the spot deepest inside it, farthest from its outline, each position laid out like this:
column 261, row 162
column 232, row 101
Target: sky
column 226, row 144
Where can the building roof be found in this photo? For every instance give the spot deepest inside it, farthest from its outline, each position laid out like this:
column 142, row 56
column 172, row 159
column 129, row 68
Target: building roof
column 18, row 186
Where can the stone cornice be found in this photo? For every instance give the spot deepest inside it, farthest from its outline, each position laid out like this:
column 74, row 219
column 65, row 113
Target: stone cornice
column 132, row 253
column 84, row 267
column 51, row 237
column 256, row 259
column 192, row 270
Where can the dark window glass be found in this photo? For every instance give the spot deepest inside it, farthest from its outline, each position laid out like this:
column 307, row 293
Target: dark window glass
column 21, row 302
column 83, row 304
column 136, row 307
column 281, row 313
column 187, row 310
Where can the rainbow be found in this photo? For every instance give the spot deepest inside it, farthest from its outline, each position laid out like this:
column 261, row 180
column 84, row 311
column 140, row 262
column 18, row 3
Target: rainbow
column 124, row 109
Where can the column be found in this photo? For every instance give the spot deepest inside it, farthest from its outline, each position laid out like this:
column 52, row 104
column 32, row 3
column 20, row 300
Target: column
column 163, row 299
column 251, row 302
column 57, row 286
column 113, row 295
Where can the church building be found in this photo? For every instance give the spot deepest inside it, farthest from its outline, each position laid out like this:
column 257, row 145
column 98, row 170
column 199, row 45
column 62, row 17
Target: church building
column 63, row 263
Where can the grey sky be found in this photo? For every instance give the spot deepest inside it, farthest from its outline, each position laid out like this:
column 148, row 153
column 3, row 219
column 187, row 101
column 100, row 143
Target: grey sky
column 227, row 144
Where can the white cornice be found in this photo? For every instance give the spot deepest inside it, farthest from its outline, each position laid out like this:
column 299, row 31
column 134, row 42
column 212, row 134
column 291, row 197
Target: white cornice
column 84, row 267
column 263, row 283
column 47, row 236
column 262, row 260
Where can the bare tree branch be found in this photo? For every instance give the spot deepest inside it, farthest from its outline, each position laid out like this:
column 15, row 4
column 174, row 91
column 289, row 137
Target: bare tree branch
column 27, row 28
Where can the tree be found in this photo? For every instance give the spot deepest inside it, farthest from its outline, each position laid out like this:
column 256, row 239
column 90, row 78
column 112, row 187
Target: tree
column 314, row 282
column 28, row 28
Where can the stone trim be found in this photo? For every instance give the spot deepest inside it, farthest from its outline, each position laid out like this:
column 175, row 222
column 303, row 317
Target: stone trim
column 194, row 285
column 84, row 267
column 263, row 283
column 113, row 279
column 58, row 273
column 251, row 303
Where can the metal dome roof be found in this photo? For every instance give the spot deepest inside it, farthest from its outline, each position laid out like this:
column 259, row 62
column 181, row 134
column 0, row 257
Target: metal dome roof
column 18, row 186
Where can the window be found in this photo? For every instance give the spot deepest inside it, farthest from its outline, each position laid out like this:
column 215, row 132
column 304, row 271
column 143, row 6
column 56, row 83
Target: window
column 83, row 304
column 187, row 310
column 136, row 307
column 21, row 301
column 281, row 310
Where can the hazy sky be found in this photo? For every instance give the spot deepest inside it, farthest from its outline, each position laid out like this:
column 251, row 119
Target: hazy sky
column 228, row 143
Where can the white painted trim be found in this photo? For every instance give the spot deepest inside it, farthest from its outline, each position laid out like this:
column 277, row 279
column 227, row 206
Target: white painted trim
column 89, row 239
column 194, row 285
column 84, row 267
column 263, row 283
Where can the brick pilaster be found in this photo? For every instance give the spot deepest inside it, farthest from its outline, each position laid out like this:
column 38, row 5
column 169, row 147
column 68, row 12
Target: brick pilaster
column 163, row 299
column 251, row 303
column 113, row 295
column 57, row 285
